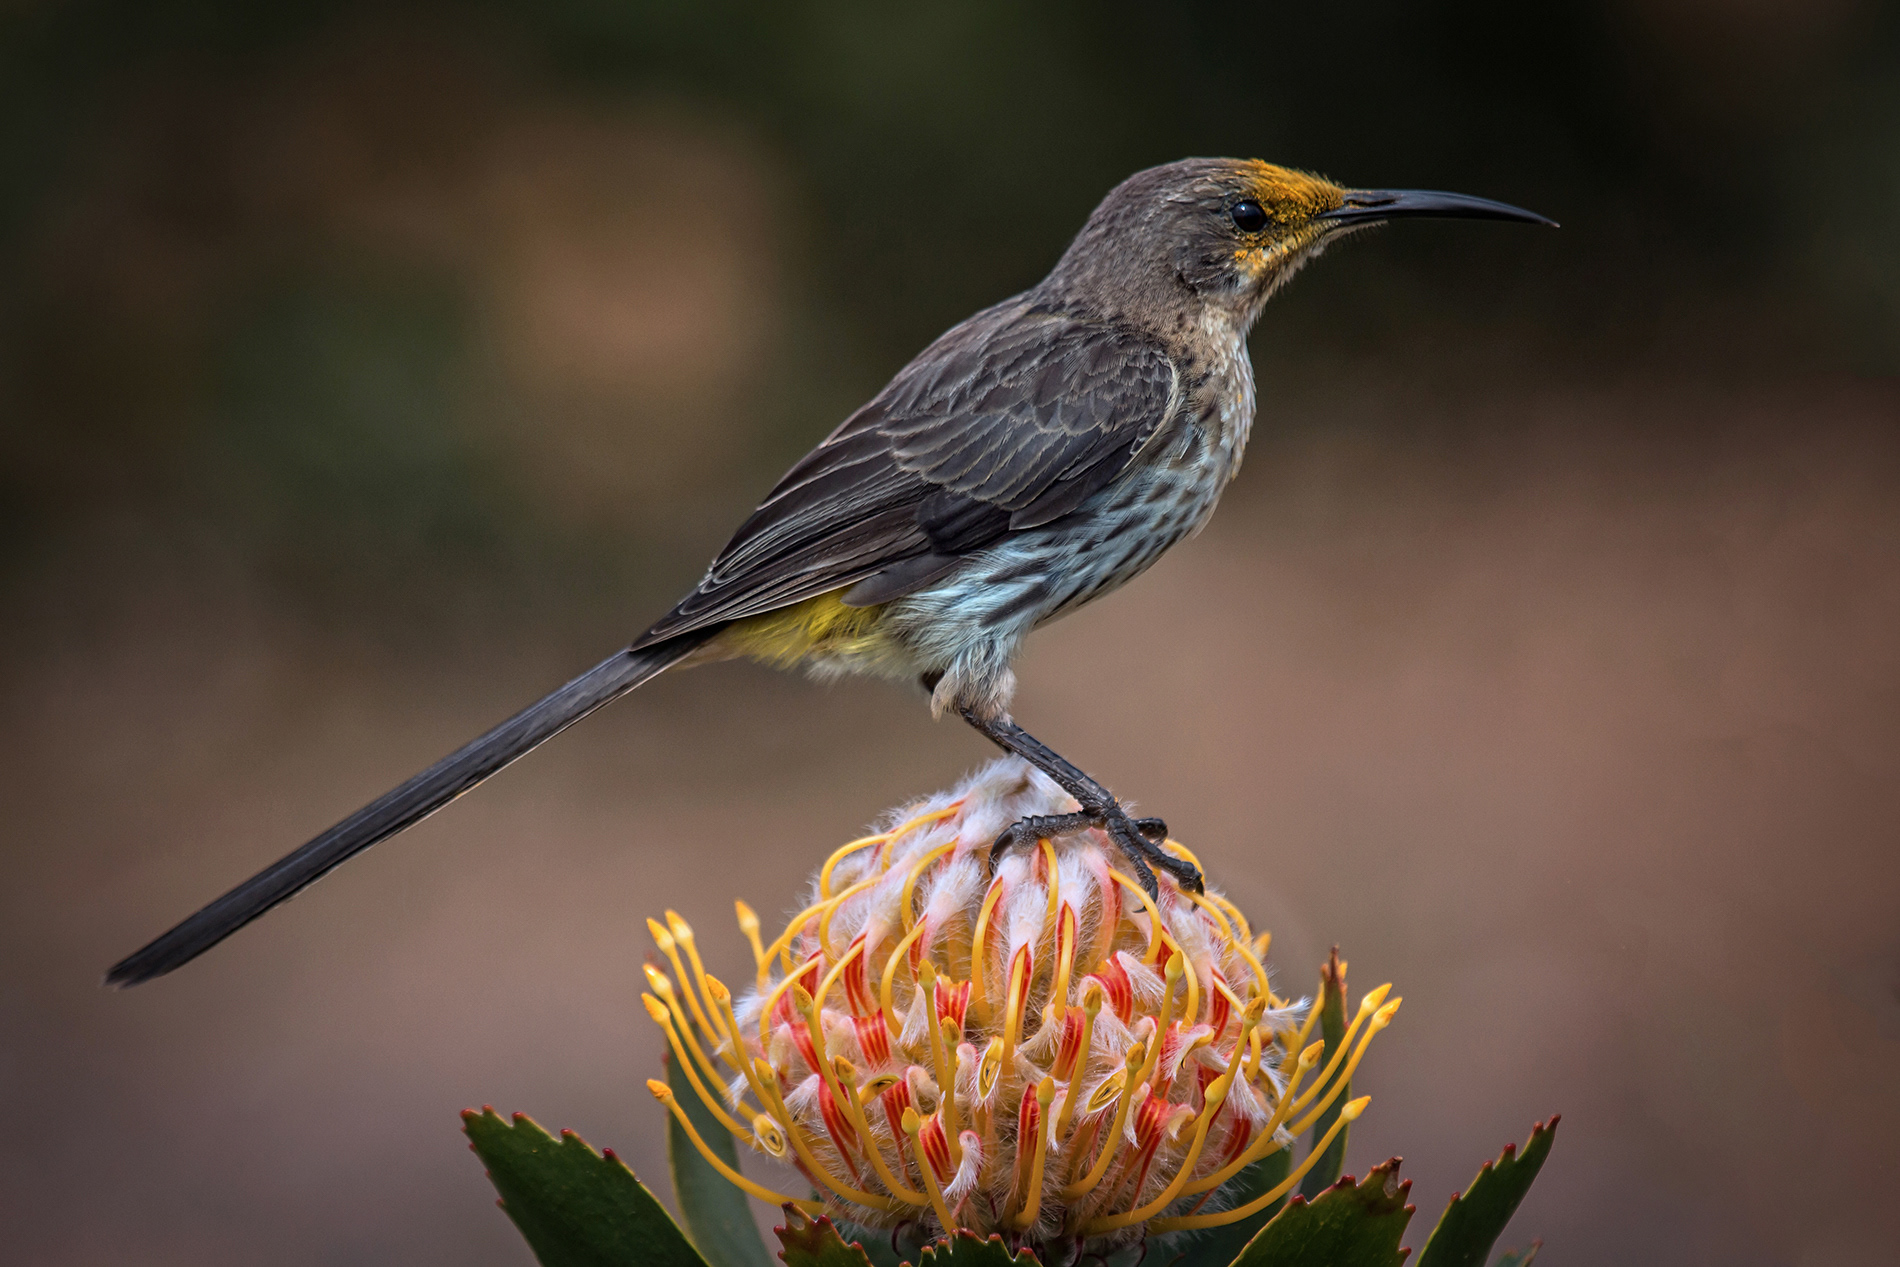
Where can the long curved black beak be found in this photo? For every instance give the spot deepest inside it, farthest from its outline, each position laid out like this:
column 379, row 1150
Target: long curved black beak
column 1364, row 206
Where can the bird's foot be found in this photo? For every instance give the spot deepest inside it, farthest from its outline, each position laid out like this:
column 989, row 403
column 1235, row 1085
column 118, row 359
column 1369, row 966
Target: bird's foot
column 1140, row 840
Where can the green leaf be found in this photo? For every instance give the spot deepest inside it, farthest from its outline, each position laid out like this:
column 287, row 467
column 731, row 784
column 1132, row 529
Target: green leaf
column 1217, row 1246
column 1520, row 1257
column 967, row 1249
column 1472, row 1222
column 877, row 1243
column 1348, row 1225
column 574, row 1206
column 1332, row 1024
column 810, row 1243
column 716, row 1214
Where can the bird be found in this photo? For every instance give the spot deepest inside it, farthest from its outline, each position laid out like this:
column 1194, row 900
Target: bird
column 1035, row 457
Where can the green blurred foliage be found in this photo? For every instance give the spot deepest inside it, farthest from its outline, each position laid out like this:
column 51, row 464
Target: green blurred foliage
column 335, row 408
column 194, row 342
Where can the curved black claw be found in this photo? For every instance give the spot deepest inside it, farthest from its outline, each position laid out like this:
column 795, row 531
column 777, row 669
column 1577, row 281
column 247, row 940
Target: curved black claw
column 1185, row 873
column 1132, row 835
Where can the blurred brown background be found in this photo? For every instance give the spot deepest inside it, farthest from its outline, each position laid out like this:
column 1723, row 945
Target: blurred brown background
column 367, row 370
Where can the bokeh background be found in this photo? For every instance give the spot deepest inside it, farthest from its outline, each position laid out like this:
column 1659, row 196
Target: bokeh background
column 366, row 370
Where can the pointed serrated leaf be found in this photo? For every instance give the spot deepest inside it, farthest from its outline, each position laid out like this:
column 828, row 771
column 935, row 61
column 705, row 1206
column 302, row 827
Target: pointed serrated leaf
column 575, row 1207
column 967, row 1249
column 1348, row 1225
column 1473, row 1221
column 1332, row 1025
column 717, row 1218
column 812, row 1242
column 1217, row 1247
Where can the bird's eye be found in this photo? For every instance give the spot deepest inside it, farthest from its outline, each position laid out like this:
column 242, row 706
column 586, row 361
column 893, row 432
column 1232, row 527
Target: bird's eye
column 1248, row 217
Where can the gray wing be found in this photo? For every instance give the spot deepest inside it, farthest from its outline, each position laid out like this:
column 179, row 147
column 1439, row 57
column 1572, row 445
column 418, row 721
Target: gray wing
column 1007, row 422
column 1034, row 418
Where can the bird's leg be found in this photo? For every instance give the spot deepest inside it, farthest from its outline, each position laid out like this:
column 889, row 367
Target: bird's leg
column 1139, row 839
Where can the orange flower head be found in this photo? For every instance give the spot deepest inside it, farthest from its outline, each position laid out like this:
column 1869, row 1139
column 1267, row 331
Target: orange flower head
column 1037, row 1048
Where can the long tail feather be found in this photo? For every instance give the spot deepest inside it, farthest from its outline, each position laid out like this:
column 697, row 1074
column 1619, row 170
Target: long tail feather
column 404, row 807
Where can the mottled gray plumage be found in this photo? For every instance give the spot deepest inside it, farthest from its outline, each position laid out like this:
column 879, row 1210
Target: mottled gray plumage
column 1036, row 456
column 1008, row 422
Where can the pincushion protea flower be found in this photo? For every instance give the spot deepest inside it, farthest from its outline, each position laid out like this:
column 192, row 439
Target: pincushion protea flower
column 1043, row 1051
column 1044, row 1055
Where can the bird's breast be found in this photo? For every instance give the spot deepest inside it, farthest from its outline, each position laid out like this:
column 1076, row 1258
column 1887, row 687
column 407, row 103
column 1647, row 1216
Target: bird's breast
column 1203, row 446
column 1221, row 393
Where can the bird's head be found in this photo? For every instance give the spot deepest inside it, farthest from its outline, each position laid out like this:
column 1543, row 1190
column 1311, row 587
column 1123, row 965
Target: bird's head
column 1225, row 233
